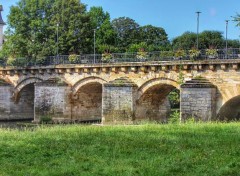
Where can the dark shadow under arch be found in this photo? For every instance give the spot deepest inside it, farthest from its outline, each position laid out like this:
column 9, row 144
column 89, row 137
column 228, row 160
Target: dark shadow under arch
column 230, row 110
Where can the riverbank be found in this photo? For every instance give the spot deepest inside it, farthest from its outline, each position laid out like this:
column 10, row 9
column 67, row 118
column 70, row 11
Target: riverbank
column 187, row 149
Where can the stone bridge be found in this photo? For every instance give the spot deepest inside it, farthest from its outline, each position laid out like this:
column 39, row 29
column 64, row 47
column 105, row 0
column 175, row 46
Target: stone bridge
column 121, row 92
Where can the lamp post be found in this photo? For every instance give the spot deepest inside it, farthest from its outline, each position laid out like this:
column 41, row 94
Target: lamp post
column 226, row 38
column 57, row 37
column 94, row 55
column 198, row 13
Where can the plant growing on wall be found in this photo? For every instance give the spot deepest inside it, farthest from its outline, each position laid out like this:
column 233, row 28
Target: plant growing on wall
column 107, row 57
column 73, row 58
column 166, row 54
column 194, row 53
column 211, row 53
column 142, row 54
column 180, row 54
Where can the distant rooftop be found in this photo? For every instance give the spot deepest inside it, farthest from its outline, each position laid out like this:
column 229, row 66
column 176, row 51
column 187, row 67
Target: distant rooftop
column 1, row 20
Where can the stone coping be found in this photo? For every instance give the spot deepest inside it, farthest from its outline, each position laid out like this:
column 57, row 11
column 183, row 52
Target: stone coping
column 127, row 64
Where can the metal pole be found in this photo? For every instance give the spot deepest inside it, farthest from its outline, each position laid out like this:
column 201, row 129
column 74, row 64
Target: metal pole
column 227, row 38
column 94, row 56
column 57, row 37
column 197, row 26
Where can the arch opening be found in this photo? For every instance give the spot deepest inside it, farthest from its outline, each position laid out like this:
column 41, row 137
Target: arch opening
column 87, row 103
column 23, row 109
column 157, row 103
column 230, row 110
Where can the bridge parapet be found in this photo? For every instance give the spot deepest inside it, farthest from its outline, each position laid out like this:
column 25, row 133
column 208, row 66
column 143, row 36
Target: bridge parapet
column 124, row 67
column 156, row 56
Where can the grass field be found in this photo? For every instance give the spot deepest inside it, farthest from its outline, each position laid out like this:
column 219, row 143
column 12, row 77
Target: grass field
column 189, row 149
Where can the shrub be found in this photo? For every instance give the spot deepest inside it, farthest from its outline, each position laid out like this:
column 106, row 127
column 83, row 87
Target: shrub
column 194, row 53
column 45, row 119
column 106, row 57
column 73, row 58
column 211, row 53
column 166, row 54
column 141, row 54
column 180, row 53
column 174, row 117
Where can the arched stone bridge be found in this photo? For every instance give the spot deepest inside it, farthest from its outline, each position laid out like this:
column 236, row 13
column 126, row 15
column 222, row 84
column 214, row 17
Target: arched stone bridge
column 121, row 92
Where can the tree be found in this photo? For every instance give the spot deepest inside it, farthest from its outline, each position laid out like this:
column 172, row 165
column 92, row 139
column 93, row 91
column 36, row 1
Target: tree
column 207, row 39
column 185, row 41
column 105, row 34
column 211, row 39
column 233, row 43
column 237, row 19
column 32, row 30
column 155, row 37
column 98, row 16
column 106, row 37
column 127, row 32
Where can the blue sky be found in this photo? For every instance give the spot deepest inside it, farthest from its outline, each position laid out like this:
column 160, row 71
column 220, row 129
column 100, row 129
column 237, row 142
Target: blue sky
column 175, row 16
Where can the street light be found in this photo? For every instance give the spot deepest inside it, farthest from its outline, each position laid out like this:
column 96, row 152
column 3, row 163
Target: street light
column 94, row 55
column 226, row 38
column 198, row 13
column 57, row 37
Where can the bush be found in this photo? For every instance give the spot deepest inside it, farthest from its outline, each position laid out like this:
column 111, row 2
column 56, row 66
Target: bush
column 141, row 54
column 180, row 53
column 166, row 54
column 174, row 117
column 106, row 57
column 211, row 53
column 194, row 54
column 73, row 58
column 45, row 119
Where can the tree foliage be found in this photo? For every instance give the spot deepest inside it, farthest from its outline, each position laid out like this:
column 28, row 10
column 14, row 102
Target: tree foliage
column 33, row 28
column 127, row 32
column 155, row 37
column 207, row 39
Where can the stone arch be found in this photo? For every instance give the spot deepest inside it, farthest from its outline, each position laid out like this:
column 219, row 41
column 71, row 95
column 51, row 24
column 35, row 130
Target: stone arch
column 22, row 84
column 152, row 102
column 87, row 99
column 145, row 86
column 85, row 81
column 25, row 82
column 230, row 110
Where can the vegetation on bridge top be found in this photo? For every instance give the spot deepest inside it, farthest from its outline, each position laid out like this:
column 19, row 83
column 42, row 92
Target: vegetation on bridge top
column 186, row 149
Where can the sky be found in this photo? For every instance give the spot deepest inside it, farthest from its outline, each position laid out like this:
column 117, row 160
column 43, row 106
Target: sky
column 175, row 16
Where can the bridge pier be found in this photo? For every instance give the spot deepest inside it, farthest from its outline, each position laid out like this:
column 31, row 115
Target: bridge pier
column 198, row 100
column 119, row 101
column 52, row 101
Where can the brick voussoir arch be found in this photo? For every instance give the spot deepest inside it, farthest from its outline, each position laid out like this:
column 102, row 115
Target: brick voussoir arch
column 85, row 81
column 25, row 82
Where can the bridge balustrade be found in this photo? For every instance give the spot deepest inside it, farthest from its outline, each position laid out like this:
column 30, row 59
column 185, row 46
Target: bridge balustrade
column 106, row 58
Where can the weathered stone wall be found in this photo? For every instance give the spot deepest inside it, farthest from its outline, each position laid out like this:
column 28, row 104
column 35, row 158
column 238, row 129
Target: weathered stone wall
column 5, row 101
column 52, row 101
column 119, row 101
column 198, row 101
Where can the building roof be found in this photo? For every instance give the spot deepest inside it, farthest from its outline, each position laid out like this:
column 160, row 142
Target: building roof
column 1, row 20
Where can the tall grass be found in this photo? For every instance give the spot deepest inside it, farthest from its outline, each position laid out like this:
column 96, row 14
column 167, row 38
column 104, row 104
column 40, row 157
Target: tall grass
column 188, row 149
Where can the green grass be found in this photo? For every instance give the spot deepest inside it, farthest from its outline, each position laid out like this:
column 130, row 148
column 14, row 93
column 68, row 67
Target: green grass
column 189, row 149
